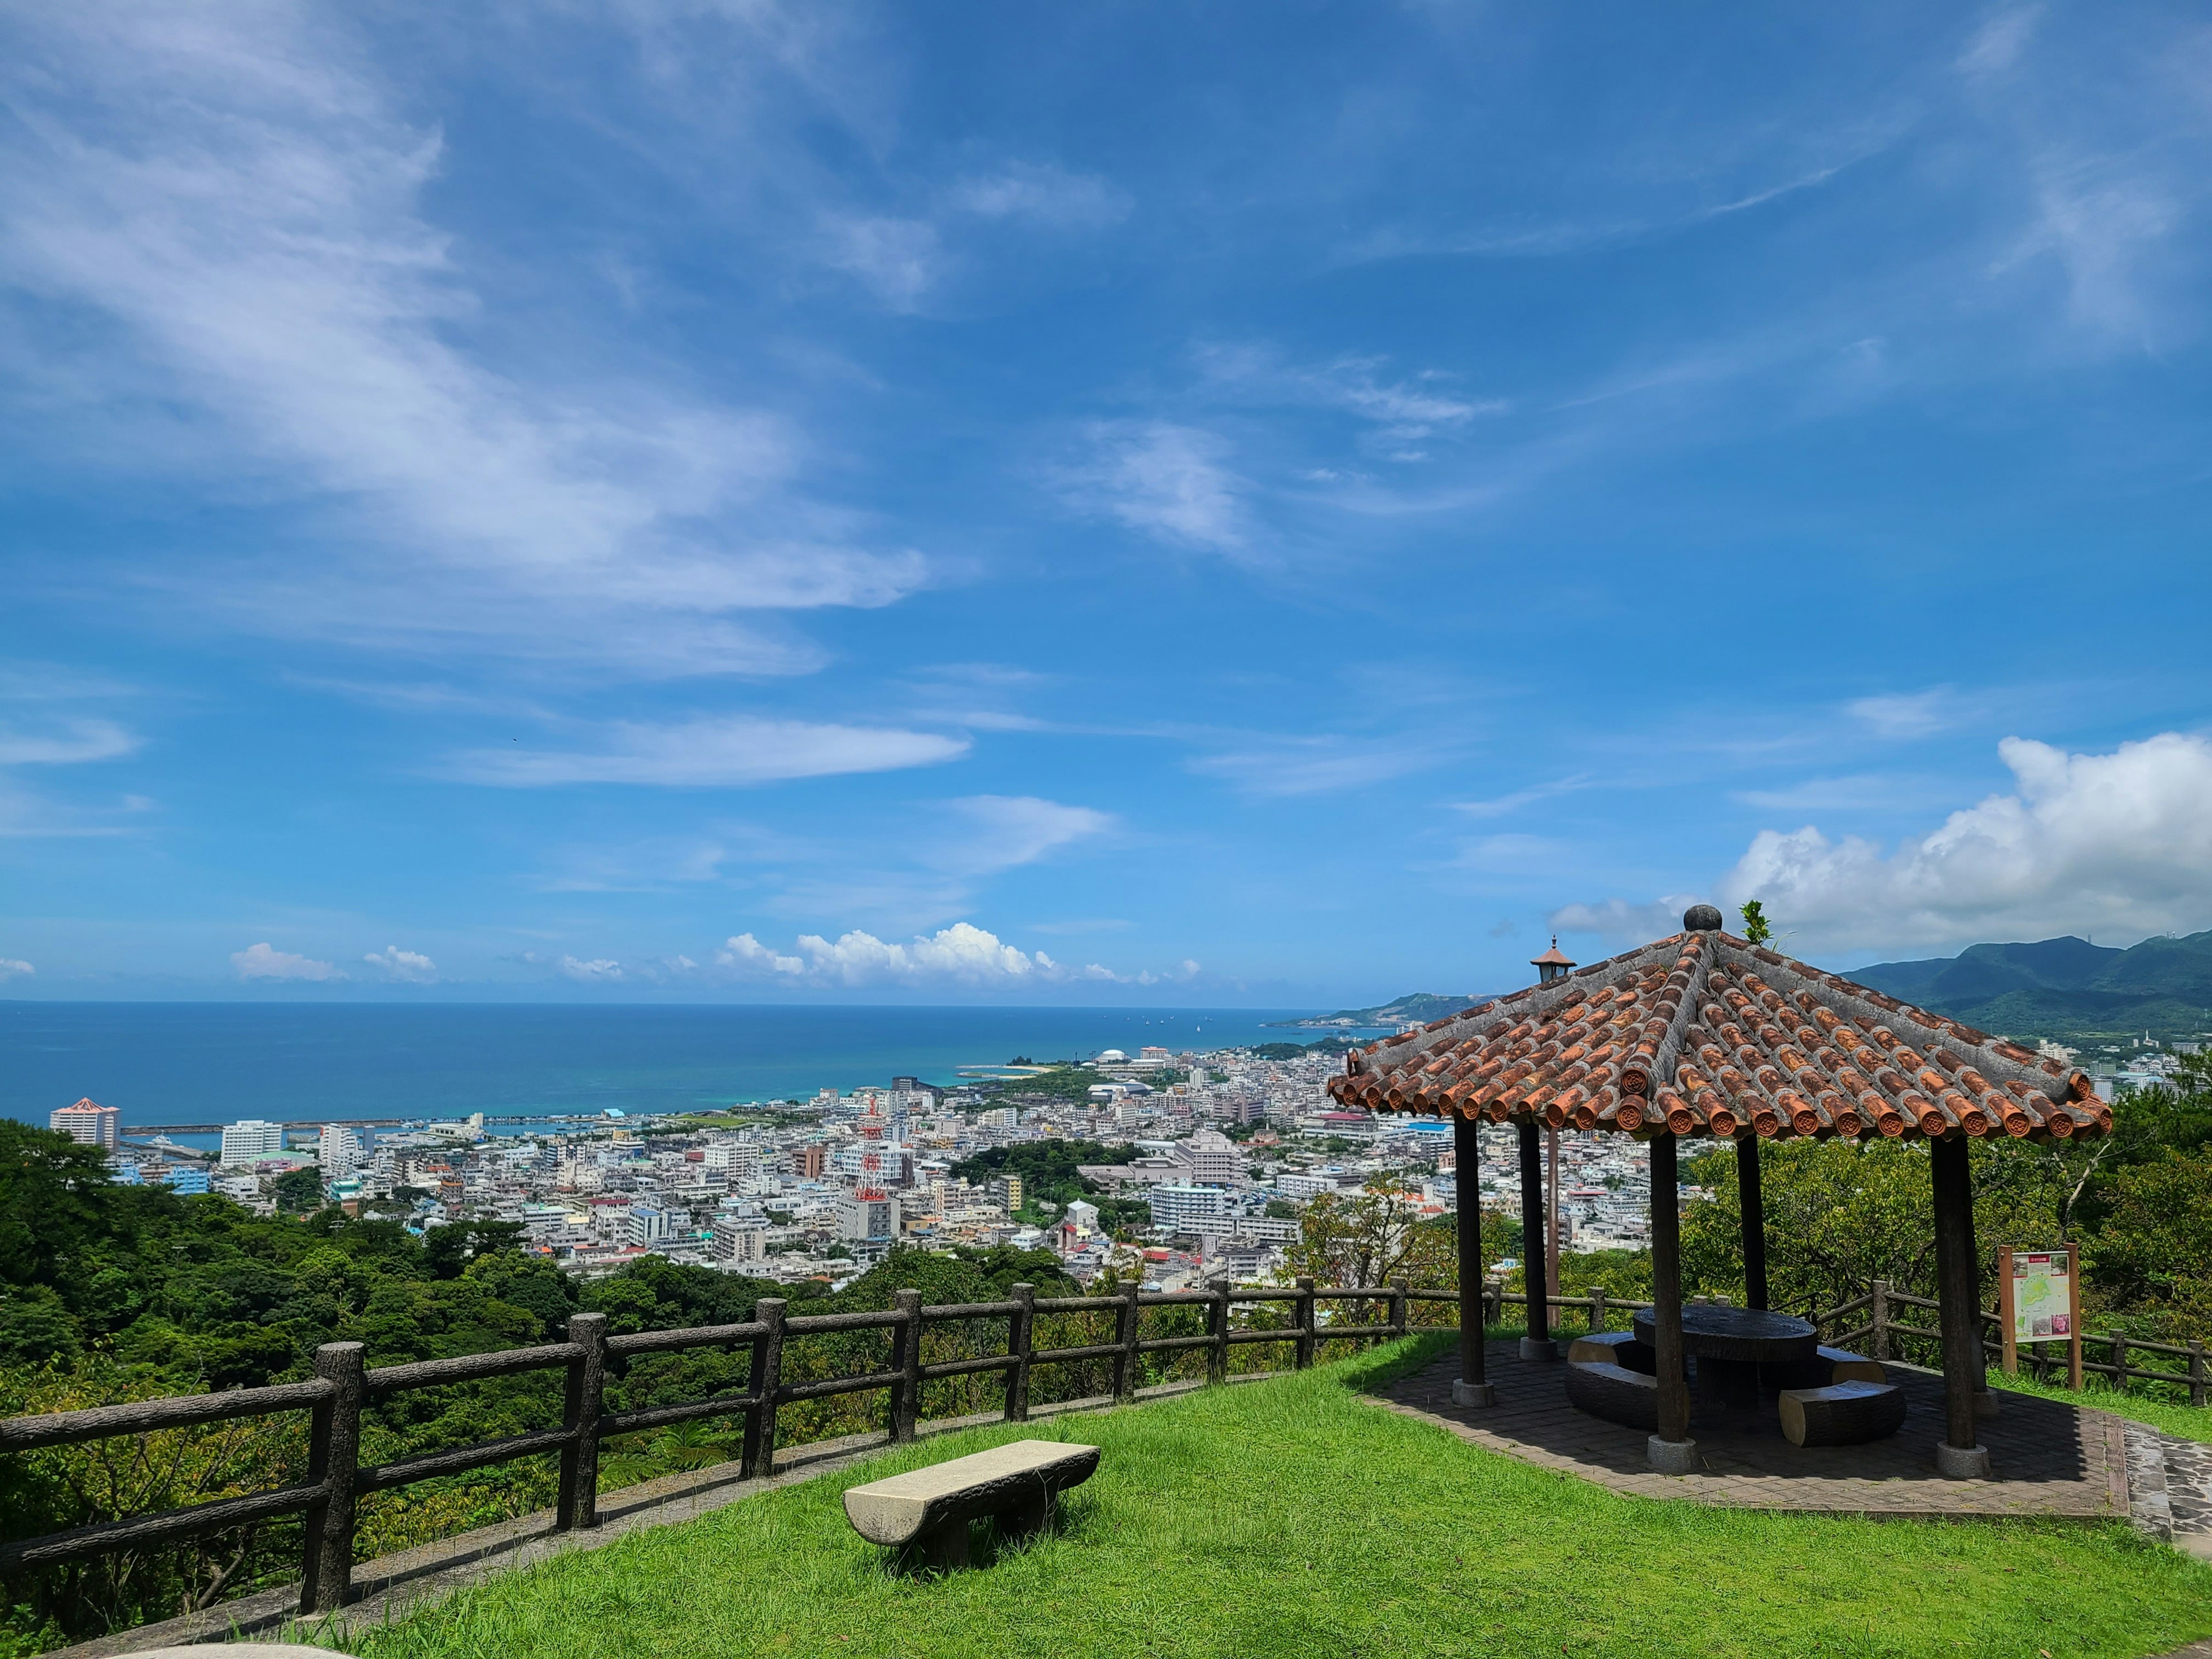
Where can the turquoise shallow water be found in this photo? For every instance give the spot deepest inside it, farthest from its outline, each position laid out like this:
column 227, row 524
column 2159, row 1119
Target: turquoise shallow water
column 175, row 1063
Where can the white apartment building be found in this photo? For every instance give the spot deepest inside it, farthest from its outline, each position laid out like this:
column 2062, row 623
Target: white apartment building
column 338, row 1151
column 866, row 1217
column 251, row 1138
column 89, row 1123
column 1182, row 1208
column 1304, row 1184
column 1209, row 1159
column 740, row 1238
column 649, row 1226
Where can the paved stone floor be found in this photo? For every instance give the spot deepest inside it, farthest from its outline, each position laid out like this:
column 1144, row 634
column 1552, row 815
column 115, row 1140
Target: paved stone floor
column 2047, row 1459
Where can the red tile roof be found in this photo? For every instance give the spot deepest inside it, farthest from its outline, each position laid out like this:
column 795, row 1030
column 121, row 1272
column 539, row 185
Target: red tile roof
column 1707, row 1034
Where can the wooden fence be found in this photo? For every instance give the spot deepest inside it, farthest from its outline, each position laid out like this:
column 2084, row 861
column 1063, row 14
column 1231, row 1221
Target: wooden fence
column 342, row 1385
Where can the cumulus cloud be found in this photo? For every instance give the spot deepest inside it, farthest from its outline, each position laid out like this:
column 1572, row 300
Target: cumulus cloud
column 264, row 961
column 1618, row 919
column 724, row 752
column 10, row 967
column 1169, row 482
column 962, row 955
column 2117, row 844
column 409, row 967
column 598, row 970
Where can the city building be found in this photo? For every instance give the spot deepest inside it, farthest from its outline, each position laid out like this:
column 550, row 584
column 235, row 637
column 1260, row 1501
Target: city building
column 649, row 1226
column 867, row 1216
column 251, row 1138
column 338, row 1151
column 811, row 1163
column 186, row 1178
column 740, row 1238
column 1005, row 1192
column 1182, row 1208
column 1209, row 1159
column 89, row 1123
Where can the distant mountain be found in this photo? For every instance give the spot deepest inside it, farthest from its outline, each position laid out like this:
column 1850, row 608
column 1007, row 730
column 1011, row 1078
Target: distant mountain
column 1417, row 1009
column 2057, row 986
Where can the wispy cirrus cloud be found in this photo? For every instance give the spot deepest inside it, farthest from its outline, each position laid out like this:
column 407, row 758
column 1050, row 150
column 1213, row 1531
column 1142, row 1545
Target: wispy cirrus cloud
column 722, row 751
column 230, row 201
column 1165, row 480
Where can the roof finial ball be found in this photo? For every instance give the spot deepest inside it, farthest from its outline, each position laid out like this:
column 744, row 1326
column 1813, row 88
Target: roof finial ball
column 1701, row 918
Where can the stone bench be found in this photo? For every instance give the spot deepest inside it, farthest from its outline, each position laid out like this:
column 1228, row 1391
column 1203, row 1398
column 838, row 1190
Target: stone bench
column 1614, row 1393
column 1841, row 1414
column 1621, row 1348
column 1826, row 1367
column 930, row 1509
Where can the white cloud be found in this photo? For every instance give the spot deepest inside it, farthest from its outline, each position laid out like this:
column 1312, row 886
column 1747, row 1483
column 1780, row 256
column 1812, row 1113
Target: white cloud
column 228, row 205
column 997, row 832
column 263, row 961
column 898, row 258
column 2118, row 845
column 409, row 967
column 11, row 966
column 1046, row 194
column 600, row 970
column 1913, row 715
column 1616, row 919
column 1499, row 805
column 63, row 742
column 1169, row 482
column 962, row 955
column 1321, row 765
column 721, row 752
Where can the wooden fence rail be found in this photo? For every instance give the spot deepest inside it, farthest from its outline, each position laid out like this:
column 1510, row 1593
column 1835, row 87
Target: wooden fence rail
column 342, row 1385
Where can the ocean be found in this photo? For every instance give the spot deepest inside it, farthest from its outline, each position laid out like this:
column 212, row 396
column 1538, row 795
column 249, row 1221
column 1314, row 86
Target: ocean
column 197, row 1063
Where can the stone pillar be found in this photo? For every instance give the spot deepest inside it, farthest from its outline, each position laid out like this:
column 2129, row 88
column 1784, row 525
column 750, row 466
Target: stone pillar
column 1754, row 1220
column 1671, row 1450
column 1472, row 1387
column 1958, row 1292
column 1538, row 1344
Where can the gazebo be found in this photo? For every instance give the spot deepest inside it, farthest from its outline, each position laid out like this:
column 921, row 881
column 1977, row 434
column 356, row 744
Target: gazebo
column 1705, row 1035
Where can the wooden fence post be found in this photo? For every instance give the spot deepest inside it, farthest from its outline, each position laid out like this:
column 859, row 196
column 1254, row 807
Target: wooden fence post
column 1305, row 1306
column 1020, row 1343
column 2197, row 1379
column 906, row 1393
column 333, row 1459
column 758, row 1454
column 1399, row 1304
column 1598, row 1311
column 579, row 1502
column 2119, row 1341
column 1878, row 1316
column 1125, row 1362
column 1217, row 1357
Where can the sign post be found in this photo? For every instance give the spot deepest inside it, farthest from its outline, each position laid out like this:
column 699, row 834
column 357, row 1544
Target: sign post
column 2041, row 1291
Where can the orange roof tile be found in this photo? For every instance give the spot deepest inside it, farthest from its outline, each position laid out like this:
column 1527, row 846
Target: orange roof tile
column 1707, row 1034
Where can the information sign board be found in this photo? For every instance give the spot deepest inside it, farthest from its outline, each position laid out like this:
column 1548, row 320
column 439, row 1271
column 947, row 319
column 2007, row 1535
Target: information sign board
column 2042, row 1296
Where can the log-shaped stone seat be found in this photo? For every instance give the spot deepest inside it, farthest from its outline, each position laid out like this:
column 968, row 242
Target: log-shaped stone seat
column 1827, row 1366
column 931, row 1508
column 1620, row 1348
column 1614, row 1393
column 1842, row 1414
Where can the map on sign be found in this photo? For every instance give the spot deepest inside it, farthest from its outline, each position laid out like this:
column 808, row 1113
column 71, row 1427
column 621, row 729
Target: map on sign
column 2042, row 1296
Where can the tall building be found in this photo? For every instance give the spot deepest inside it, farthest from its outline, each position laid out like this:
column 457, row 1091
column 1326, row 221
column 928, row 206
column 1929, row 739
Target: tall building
column 740, row 1238
column 251, row 1138
column 1209, row 1157
column 811, row 1162
column 870, row 1215
column 89, row 1123
column 338, row 1150
column 1180, row 1208
column 1005, row 1192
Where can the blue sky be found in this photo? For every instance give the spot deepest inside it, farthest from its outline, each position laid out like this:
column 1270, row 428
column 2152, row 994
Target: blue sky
column 1151, row 503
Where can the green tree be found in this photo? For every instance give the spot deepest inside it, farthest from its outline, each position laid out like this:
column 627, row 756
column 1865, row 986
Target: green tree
column 300, row 1191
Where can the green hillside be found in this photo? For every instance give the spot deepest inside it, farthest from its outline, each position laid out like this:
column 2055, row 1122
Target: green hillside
column 2064, row 987
column 1416, row 1009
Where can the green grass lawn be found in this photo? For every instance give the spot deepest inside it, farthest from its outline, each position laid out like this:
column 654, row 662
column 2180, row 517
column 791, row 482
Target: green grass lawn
column 1293, row 1517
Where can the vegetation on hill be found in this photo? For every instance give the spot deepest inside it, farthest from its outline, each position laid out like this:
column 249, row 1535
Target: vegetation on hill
column 1416, row 1008
column 2063, row 986
column 1294, row 1517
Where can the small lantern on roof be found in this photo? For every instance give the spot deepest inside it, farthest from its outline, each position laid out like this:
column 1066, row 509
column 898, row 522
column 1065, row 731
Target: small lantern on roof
column 1554, row 964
